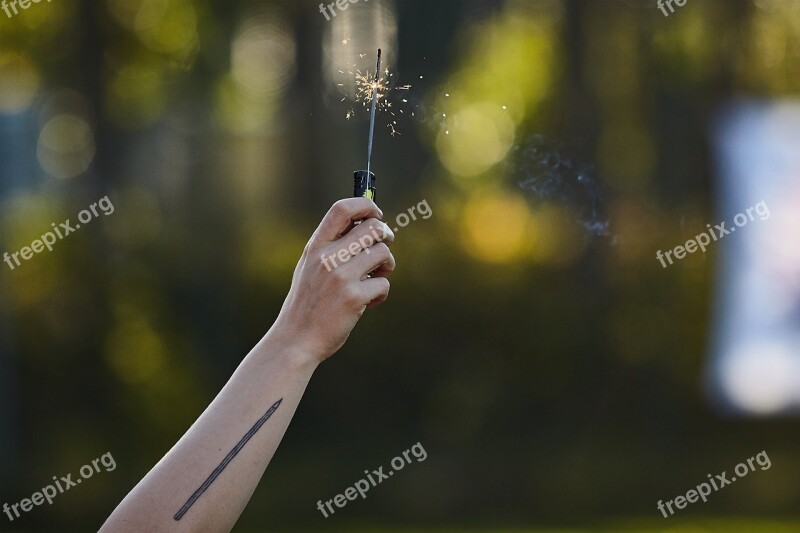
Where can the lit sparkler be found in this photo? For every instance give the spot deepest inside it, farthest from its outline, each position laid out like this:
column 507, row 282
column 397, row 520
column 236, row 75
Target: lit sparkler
column 374, row 97
column 364, row 180
column 379, row 85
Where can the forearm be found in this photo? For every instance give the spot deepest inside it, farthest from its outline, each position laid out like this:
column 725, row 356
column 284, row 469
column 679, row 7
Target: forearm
column 205, row 481
column 274, row 371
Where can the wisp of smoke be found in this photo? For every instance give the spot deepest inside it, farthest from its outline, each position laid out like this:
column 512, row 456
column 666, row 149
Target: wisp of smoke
column 541, row 166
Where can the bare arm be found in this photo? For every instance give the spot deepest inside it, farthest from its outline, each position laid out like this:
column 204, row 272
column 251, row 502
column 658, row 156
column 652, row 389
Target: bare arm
column 207, row 478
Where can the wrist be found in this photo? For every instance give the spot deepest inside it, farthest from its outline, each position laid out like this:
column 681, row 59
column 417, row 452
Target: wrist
column 289, row 349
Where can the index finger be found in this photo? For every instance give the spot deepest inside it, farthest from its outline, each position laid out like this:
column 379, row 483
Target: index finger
column 340, row 217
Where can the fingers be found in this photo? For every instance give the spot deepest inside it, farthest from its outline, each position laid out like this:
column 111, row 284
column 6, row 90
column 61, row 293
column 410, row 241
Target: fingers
column 366, row 238
column 385, row 269
column 376, row 290
column 357, row 251
column 366, row 248
column 377, row 260
column 366, row 234
column 341, row 216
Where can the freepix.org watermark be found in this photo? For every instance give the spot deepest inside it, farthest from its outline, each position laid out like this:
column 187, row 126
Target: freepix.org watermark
column 61, row 230
column 341, row 4
column 703, row 490
column 714, row 234
column 664, row 4
column 402, row 220
column 23, row 4
column 59, row 486
column 376, row 476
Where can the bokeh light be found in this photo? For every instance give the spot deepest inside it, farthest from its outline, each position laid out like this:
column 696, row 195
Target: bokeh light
column 263, row 65
column 479, row 136
column 136, row 94
column 19, row 82
column 350, row 43
column 66, row 146
column 496, row 227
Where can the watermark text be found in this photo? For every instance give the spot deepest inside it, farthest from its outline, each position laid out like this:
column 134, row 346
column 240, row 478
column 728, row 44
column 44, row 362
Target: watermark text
column 59, row 486
column 703, row 490
column 714, row 234
column 375, row 477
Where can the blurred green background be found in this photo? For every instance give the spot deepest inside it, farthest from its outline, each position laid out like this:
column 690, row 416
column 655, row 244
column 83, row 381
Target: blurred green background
column 554, row 376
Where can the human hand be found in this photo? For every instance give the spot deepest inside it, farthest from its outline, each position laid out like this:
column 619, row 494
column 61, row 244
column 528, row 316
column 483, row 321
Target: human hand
column 342, row 272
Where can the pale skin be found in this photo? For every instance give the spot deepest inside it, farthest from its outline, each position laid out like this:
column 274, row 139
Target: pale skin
column 319, row 313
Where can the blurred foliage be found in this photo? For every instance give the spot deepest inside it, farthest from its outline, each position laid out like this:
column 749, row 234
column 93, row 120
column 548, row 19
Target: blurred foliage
column 553, row 375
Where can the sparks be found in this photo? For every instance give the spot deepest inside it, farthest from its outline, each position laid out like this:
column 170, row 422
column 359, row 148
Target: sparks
column 384, row 85
column 366, row 84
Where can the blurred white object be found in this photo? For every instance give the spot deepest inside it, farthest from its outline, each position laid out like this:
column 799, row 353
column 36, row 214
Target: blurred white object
column 755, row 367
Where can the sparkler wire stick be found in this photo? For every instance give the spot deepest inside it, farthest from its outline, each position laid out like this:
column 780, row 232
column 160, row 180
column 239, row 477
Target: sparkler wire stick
column 364, row 179
column 372, row 111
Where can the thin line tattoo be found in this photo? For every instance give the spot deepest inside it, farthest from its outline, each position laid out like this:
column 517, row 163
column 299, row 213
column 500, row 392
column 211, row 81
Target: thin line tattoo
column 225, row 462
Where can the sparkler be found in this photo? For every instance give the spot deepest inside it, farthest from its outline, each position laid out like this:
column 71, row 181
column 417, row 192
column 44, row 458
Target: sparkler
column 366, row 85
column 364, row 179
column 372, row 111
